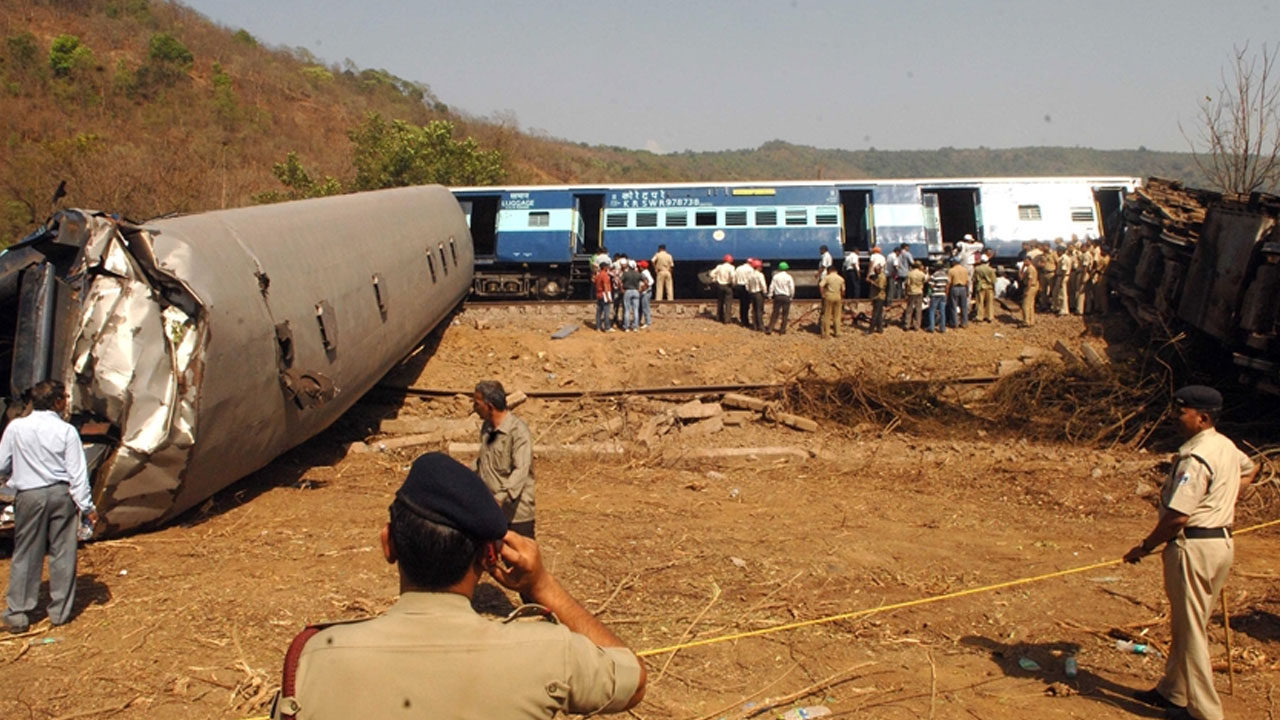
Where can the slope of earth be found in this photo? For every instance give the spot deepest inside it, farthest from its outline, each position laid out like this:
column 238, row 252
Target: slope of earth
column 667, row 546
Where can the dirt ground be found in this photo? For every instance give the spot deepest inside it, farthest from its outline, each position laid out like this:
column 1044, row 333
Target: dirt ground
column 193, row 620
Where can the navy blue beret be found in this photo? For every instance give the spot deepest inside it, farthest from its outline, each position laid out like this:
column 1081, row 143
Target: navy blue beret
column 1198, row 397
column 445, row 491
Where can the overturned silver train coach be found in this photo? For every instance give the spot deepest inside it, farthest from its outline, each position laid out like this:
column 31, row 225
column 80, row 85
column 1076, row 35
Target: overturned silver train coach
column 197, row 349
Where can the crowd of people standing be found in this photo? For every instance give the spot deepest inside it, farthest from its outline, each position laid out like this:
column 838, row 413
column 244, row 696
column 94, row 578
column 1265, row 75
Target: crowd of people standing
column 1061, row 277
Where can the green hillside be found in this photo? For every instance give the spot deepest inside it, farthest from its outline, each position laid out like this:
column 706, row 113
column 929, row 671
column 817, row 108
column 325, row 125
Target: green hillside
column 146, row 107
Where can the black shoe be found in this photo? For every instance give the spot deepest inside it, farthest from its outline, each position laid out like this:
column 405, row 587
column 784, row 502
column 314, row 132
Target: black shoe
column 16, row 629
column 1178, row 713
column 1153, row 698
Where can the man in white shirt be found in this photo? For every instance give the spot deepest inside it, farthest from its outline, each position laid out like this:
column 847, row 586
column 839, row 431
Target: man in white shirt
column 740, row 277
column 45, row 460
column 852, row 274
column 781, row 289
column 824, row 262
column 722, row 276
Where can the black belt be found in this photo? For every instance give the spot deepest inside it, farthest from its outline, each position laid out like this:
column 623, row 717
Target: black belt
column 1202, row 533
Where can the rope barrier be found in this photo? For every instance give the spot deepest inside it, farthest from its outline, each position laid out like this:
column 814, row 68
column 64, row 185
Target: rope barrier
column 894, row 606
column 898, row 606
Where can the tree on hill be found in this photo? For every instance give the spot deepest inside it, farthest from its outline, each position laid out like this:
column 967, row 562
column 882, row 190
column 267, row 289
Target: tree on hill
column 1239, row 130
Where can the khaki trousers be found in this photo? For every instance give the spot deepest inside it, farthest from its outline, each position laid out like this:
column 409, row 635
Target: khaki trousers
column 1194, row 573
column 987, row 304
column 830, row 320
column 664, row 286
column 1029, row 305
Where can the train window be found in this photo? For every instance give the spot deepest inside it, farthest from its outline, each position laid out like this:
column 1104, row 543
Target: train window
column 1028, row 212
column 797, row 216
column 540, row 219
column 705, row 218
column 647, row 219
column 615, row 219
column 677, row 218
column 431, row 265
column 766, row 217
column 1082, row 214
column 735, row 217
column 826, row 216
column 443, row 262
column 453, row 250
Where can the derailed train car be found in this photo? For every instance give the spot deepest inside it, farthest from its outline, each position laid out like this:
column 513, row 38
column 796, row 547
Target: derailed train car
column 197, row 349
column 1195, row 259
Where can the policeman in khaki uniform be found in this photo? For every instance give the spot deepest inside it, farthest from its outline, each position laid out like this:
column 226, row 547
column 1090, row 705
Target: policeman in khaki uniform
column 1197, row 509
column 430, row 655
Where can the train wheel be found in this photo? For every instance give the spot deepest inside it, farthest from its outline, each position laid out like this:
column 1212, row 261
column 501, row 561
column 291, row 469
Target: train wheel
column 553, row 288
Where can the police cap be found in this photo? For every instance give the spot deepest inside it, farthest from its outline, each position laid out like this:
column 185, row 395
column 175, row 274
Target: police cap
column 445, row 491
column 1198, row 397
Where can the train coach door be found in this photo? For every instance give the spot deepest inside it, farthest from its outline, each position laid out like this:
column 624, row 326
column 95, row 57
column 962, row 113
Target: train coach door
column 949, row 214
column 855, row 205
column 587, row 208
column 482, row 218
column 1108, row 202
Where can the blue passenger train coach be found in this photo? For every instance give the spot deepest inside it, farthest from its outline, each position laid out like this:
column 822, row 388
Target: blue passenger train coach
column 537, row 241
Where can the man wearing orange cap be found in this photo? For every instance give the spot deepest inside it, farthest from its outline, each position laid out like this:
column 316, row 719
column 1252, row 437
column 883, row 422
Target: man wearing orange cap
column 722, row 276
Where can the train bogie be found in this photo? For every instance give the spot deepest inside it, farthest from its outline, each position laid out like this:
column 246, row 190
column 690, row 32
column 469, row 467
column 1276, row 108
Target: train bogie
column 196, row 349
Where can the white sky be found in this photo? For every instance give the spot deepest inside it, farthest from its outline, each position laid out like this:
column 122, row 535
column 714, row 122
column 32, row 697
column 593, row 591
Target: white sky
column 671, row 75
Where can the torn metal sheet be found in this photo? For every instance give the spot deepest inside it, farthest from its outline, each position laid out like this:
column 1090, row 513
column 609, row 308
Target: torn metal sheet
column 207, row 345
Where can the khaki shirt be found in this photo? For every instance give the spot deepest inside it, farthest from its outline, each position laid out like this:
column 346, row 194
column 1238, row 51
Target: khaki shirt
column 505, row 464
column 1205, row 480
column 663, row 262
column 958, row 276
column 1030, row 277
column 984, row 277
column 878, row 284
column 832, row 286
column 915, row 281
column 431, row 656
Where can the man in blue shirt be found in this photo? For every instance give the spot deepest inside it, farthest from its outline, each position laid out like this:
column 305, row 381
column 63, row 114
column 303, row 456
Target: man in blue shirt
column 45, row 458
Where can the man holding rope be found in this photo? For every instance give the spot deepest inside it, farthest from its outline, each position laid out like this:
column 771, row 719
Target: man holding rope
column 1197, row 509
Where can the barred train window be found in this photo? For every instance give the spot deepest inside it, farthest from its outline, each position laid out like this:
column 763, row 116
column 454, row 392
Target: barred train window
column 1028, row 212
column 1082, row 214
column 797, row 216
column 826, row 216
column 766, row 217
column 647, row 219
column 705, row 218
column 540, row 219
column 677, row 218
column 735, row 217
column 615, row 220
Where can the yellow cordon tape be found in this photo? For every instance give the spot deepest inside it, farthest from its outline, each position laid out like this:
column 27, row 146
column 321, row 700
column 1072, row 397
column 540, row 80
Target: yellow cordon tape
column 901, row 605
column 884, row 608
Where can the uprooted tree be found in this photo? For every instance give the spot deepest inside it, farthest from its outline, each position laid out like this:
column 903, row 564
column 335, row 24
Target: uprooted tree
column 1238, row 133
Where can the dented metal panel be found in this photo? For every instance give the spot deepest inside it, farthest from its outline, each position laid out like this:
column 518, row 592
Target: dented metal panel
column 209, row 344
column 1216, row 280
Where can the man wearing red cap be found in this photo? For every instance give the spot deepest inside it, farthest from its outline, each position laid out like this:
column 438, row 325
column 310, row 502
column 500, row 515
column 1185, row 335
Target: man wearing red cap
column 1197, row 509
column 430, row 654
column 722, row 276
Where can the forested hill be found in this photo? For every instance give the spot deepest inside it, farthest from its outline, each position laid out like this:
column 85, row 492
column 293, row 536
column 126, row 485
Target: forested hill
column 145, row 107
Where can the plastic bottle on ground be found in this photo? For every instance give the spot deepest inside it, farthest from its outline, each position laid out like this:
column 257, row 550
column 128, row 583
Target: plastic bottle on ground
column 1131, row 647
column 804, row 713
column 1071, row 666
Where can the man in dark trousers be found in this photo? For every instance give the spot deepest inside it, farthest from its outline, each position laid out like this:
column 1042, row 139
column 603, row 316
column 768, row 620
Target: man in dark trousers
column 45, row 460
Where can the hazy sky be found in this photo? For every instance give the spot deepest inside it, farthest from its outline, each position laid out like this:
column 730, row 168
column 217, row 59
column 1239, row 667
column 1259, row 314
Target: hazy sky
column 726, row 74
